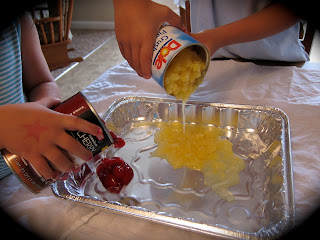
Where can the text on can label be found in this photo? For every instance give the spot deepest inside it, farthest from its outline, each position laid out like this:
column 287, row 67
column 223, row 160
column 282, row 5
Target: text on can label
column 164, row 51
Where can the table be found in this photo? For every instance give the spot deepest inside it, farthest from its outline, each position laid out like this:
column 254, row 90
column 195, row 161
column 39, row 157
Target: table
column 293, row 89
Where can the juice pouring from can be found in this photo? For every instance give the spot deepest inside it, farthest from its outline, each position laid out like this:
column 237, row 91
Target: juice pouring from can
column 179, row 63
column 78, row 106
column 169, row 43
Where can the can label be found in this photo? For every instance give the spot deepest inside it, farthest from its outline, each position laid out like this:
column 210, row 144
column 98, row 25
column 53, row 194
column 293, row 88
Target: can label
column 24, row 170
column 78, row 106
column 170, row 41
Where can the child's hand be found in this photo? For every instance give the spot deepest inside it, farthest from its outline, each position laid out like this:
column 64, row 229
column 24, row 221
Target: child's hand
column 208, row 38
column 137, row 24
column 37, row 134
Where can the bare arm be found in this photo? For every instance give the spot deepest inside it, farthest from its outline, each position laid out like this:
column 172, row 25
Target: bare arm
column 265, row 23
column 33, row 131
column 37, row 79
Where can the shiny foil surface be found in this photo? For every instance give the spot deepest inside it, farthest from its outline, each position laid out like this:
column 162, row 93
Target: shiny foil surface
column 264, row 200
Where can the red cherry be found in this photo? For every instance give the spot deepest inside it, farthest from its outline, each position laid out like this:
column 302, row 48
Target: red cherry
column 114, row 173
column 112, row 184
column 100, row 171
column 110, row 181
column 106, row 163
column 110, row 163
column 119, row 143
column 118, row 159
column 112, row 134
column 126, row 179
column 115, row 190
column 118, row 171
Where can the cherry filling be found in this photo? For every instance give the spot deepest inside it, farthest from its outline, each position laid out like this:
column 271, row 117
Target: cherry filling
column 118, row 142
column 114, row 173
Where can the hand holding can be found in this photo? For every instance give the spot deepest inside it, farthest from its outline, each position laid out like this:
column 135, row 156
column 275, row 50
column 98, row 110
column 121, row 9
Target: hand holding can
column 136, row 25
column 84, row 117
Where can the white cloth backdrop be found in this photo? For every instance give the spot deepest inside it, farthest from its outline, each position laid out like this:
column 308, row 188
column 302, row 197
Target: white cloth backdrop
column 294, row 90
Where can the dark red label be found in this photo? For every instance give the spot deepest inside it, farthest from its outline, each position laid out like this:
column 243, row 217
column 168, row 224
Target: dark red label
column 76, row 105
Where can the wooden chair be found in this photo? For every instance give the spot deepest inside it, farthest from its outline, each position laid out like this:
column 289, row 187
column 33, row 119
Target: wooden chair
column 53, row 23
column 185, row 15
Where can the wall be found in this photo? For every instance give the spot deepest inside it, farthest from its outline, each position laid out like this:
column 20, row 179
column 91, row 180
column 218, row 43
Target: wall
column 98, row 14
column 93, row 14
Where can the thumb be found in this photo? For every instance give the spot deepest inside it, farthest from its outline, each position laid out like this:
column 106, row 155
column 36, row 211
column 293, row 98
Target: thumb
column 49, row 102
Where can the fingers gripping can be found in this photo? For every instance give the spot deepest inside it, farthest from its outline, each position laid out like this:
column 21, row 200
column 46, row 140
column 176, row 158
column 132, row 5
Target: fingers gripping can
column 77, row 106
column 169, row 43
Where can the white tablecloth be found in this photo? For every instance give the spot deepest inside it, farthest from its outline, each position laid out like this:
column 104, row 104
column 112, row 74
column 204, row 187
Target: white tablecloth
column 294, row 90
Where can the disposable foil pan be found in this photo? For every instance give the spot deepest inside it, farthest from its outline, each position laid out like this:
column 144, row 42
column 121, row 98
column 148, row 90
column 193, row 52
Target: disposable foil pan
column 264, row 202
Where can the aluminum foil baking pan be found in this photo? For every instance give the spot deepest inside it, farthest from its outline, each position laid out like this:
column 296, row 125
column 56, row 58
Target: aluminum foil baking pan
column 264, row 202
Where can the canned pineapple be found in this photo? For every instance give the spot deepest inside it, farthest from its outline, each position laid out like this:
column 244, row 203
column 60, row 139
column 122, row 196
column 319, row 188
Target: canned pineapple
column 171, row 47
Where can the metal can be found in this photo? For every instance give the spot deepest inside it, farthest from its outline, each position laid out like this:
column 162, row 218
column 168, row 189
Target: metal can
column 78, row 106
column 169, row 43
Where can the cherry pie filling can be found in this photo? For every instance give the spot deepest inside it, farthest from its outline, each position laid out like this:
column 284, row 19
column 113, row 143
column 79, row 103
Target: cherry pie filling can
column 77, row 106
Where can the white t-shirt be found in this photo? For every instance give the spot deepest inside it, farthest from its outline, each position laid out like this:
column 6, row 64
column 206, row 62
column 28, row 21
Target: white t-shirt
column 284, row 46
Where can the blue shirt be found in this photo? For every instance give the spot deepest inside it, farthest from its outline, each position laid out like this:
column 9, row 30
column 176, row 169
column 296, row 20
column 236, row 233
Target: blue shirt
column 284, row 46
column 11, row 89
